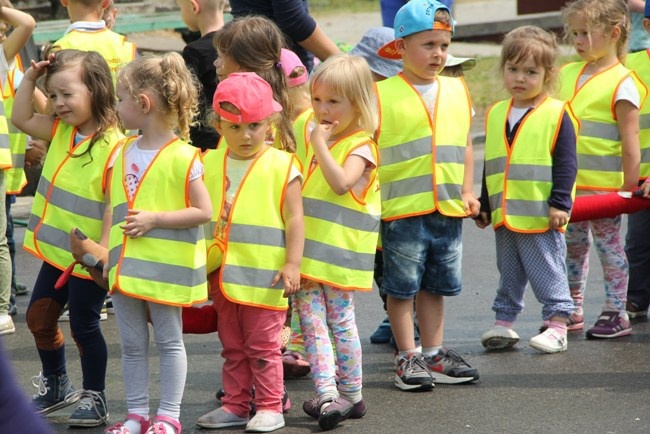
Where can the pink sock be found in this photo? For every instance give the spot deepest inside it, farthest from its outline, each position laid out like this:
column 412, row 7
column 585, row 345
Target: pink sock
column 506, row 324
column 559, row 326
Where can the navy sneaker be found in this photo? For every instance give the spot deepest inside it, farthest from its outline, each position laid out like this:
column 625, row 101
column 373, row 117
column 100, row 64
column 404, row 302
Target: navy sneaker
column 91, row 410
column 383, row 334
column 54, row 392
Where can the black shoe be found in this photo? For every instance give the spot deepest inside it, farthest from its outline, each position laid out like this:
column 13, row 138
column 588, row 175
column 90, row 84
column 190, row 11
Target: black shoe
column 20, row 289
column 91, row 410
column 13, row 310
column 54, row 392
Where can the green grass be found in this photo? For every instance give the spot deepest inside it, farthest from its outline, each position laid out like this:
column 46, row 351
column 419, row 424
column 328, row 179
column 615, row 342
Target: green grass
column 327, row 7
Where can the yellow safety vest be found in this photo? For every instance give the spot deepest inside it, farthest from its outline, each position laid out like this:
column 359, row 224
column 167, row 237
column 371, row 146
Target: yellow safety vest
column 519, row 177
column 70, row 194
column 165, row 265
column 301, row 129
column 422, row 160
column 112, row 46
column 600, row 164
column 5, row 149
column 341, row 231
column 255, row 246
column 640, row 63
column 15, row 177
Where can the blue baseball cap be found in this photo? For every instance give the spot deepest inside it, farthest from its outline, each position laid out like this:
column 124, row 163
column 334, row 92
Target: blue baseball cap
column 647, row 9
column 415, row 16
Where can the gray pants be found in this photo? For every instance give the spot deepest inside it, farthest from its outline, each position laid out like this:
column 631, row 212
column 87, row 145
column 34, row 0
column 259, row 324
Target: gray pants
column 5, row 258
column 131, row 314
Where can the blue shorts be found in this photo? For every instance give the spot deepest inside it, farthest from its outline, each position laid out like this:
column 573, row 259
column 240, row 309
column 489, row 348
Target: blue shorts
column 422, row 253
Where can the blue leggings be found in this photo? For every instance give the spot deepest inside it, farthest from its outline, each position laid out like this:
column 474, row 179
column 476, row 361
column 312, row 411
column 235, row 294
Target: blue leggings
column 85, row 299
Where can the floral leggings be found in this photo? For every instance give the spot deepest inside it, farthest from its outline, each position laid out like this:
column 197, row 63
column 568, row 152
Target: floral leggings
column 322, row 309
column 606, row 235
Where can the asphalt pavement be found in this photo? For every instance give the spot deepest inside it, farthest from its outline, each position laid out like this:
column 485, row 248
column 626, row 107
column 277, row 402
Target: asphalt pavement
column 597, row 386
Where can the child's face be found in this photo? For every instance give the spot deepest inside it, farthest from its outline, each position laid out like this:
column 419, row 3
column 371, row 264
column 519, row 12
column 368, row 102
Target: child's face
column 524, row 80
column 187, row 14
column 646, row 24
column 590, row 44
column 71, row 99
column 424, row 54
column 330, row 107
column 128, row 109
column 225, row 65
column 245, row 140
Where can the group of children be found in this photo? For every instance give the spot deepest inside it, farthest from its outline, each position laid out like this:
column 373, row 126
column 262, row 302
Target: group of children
column 289, row 208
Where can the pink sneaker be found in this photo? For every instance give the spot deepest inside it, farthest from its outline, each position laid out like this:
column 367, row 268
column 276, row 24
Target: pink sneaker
column 549, row 341
column 575, row 322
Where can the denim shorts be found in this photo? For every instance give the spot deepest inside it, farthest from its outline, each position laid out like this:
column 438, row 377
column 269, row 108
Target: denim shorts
column 422, row 253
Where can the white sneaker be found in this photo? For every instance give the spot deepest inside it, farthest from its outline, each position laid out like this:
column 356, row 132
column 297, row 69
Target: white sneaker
column 550, row 341
column 499, row 338
column 6, row 325
column 265, row 421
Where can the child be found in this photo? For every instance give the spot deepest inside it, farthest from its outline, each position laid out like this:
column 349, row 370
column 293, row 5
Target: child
column 254, row 44
column 257, row 244
column 425, row 175
column 89, row 32
column 637, row 240
column 205, row 16
column 342, row 214
column 456, row 66
column 301, row 115
column 9, row 156
column 83, row 133
column 605, row 97
column 528, row 184
column 158, row 202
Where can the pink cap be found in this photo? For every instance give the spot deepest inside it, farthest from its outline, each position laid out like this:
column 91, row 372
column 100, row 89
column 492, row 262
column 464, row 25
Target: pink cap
column 247, row 91
column 290, row 61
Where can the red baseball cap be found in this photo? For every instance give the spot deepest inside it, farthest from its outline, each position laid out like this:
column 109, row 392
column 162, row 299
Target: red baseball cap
column 249, row 93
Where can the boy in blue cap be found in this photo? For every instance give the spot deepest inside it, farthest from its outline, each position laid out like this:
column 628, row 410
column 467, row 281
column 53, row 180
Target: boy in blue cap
column 426, row 176
column 637, row 240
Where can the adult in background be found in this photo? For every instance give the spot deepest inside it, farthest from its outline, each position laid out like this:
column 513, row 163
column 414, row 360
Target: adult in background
column 304, row 36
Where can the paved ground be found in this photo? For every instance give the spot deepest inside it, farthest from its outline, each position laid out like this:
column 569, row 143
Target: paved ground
column 595, row 387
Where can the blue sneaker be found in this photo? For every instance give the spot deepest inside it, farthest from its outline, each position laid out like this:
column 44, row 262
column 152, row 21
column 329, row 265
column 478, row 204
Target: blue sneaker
column 383, row 334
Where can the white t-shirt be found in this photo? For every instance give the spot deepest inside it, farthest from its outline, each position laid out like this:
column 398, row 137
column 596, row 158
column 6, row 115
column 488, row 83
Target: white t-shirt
column 429, row 93
column 515, row 115
column 136, row 162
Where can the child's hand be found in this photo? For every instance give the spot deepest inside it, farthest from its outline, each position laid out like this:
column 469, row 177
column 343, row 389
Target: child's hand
column 35, row 153
column 557, row 218
column 290, row 274
column 471, row 204
column 645, row 188
column 482, row 220
column 38, row 68
column 322, row 132
column 138, row 223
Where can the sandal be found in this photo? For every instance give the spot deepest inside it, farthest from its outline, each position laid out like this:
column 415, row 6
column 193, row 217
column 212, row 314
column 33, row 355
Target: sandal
column 120, row 428
column 157, row 427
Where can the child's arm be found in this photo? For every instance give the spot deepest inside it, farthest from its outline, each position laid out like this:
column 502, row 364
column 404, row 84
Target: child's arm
column 470, row 203
column 23, row 25
column 628, row 126
column 140, row 222
column 292, row 213
column 484, row 217
column 23, row 116
column 340, row 178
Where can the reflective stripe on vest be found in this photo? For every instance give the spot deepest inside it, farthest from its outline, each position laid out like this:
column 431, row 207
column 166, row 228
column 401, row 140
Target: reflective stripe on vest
column 165, row 265
column 519, row 176
column 112, row 46
column 15, row 177
column 62, row 202
column 415, row 153
column 640, row 63
column 600, row 164
column 254, row 247
column 5, row 149
column 341, row 231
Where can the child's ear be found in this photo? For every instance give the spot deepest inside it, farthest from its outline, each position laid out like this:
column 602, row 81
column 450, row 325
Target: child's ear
column 64, row 3
column 616, row 32
column 646, row 24
column 196, row 6
column 105, row 4
column 144, row 102
column 400, row 46
column 217, row 126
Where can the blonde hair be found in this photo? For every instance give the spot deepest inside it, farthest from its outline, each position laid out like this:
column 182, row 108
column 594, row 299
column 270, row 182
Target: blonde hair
column 214, row 5
column 603, row 15
column 255, row 43
column 167, row 79
column 531, row 42
column 350, row 77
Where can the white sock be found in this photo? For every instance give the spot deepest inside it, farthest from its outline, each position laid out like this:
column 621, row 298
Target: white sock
column 430, row 351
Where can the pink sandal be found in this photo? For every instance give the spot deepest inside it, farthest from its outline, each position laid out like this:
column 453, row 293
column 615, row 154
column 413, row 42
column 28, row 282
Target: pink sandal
column 120, row 428
column 157, row 426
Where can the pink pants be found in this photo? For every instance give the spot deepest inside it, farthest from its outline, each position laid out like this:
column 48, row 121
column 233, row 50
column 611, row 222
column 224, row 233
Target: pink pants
column 251, row 352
